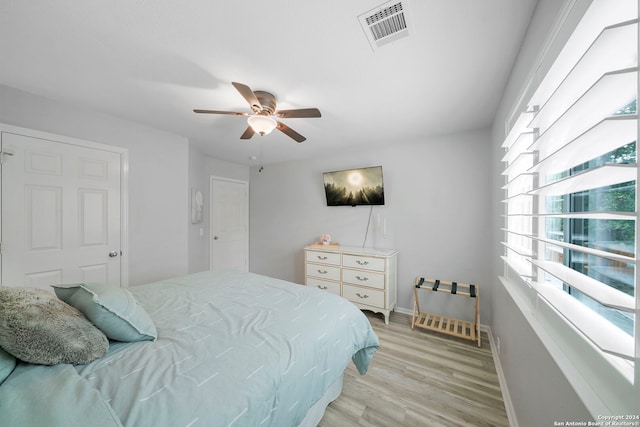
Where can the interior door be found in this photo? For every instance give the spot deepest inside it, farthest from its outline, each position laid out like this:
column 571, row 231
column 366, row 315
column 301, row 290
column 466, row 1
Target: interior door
column 229, row 227
column 61, row 213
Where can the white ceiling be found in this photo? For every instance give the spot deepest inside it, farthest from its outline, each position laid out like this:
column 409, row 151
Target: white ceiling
column 153, row 61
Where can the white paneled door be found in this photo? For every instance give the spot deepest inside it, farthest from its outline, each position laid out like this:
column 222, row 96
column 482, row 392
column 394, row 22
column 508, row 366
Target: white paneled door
column 229, row 224
column 61, row 213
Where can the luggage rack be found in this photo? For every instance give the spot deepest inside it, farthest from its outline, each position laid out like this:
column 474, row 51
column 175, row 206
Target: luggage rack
column 448, row 325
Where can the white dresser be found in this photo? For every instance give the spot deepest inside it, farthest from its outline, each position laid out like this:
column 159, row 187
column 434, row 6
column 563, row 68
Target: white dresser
column 365, row 276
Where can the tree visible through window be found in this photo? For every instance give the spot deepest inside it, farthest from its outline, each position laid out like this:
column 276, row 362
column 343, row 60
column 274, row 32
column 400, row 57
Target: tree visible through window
column 616, row 236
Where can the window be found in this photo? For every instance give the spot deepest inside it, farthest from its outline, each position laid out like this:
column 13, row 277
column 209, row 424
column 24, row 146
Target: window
column 614, row 237
column 570, row 187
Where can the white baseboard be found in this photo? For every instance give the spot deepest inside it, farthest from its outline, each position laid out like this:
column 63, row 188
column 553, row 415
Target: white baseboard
column 508, row 404
column 403, row 310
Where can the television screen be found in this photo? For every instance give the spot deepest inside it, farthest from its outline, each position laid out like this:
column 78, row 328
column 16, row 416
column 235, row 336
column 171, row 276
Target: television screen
column 354, row 187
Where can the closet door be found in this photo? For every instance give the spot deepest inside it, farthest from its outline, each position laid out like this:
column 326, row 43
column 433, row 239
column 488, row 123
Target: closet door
column 61, row 213
column 229, row 244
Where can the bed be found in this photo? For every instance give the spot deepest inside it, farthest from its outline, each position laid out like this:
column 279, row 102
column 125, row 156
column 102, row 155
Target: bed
column 232, row 349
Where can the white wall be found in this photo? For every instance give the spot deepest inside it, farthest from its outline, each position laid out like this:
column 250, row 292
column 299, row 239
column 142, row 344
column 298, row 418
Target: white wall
column 201, row 168
column 197, row 242
column 158, row 177
column 437, row 212
column 539, row 391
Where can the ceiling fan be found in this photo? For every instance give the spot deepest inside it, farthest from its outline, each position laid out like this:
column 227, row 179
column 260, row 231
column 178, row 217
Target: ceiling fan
column 262, row 120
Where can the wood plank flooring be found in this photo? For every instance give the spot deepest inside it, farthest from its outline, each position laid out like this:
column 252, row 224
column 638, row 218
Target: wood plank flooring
column 420, row 378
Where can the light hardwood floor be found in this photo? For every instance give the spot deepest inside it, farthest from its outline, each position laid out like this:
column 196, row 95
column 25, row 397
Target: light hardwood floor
column 420, row 378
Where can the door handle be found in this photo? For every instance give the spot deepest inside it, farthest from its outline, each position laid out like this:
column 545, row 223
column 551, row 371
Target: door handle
column 113, row 254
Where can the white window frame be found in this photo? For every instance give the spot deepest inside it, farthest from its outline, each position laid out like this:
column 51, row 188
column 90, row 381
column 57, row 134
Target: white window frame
column 606, row 383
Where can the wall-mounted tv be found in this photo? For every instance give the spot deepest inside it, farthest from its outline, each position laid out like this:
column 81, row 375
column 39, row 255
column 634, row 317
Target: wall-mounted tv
column 354, row 187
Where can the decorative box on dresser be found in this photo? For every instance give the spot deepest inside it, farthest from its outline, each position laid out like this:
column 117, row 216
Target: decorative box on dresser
column 365, row 276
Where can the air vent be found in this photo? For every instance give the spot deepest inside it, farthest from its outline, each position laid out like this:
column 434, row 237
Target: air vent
column 385, row 23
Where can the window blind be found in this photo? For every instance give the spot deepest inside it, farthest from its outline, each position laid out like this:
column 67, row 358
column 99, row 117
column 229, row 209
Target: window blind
column 570, row 223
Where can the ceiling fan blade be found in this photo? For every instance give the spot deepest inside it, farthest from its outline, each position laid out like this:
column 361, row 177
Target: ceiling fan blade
column 290, row 132
column 248, row 94
column 248, row 133
column 301, row 112
column 233, row 113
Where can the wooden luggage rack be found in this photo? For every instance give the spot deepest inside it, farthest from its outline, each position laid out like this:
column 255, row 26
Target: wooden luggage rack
column 433, row 322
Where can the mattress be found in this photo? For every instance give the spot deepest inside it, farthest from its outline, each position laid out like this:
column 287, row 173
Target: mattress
column 233, row 349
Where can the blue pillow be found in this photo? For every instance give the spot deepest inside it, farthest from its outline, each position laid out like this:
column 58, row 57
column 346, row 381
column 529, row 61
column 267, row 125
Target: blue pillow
column 113, row 310
column 7, row 364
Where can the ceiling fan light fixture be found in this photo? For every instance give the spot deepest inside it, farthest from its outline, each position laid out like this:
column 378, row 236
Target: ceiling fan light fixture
column 262, row 124
column 262, row 120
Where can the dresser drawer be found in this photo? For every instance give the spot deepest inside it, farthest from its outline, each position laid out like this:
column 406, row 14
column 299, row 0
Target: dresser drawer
column 364, row 262
column 366, row 277
column 323, row 271
column 363, row 295
column 333, row 287
column 363, row 278
column 323, row 257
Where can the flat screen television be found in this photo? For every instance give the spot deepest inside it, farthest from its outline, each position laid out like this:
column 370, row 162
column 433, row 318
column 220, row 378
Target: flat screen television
column 354, row 187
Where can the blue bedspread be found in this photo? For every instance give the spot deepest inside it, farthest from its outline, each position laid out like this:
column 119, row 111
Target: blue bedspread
column 233, row 349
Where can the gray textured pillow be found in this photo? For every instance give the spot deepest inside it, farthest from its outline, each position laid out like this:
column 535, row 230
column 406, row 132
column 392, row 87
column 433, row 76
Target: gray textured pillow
column 38, row 328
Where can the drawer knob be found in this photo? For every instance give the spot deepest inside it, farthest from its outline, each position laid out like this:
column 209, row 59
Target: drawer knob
column 322, row 287
column 362, row 296
column 322, row 271
column 362, row 279
column 322, row 257
column 362, row 262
